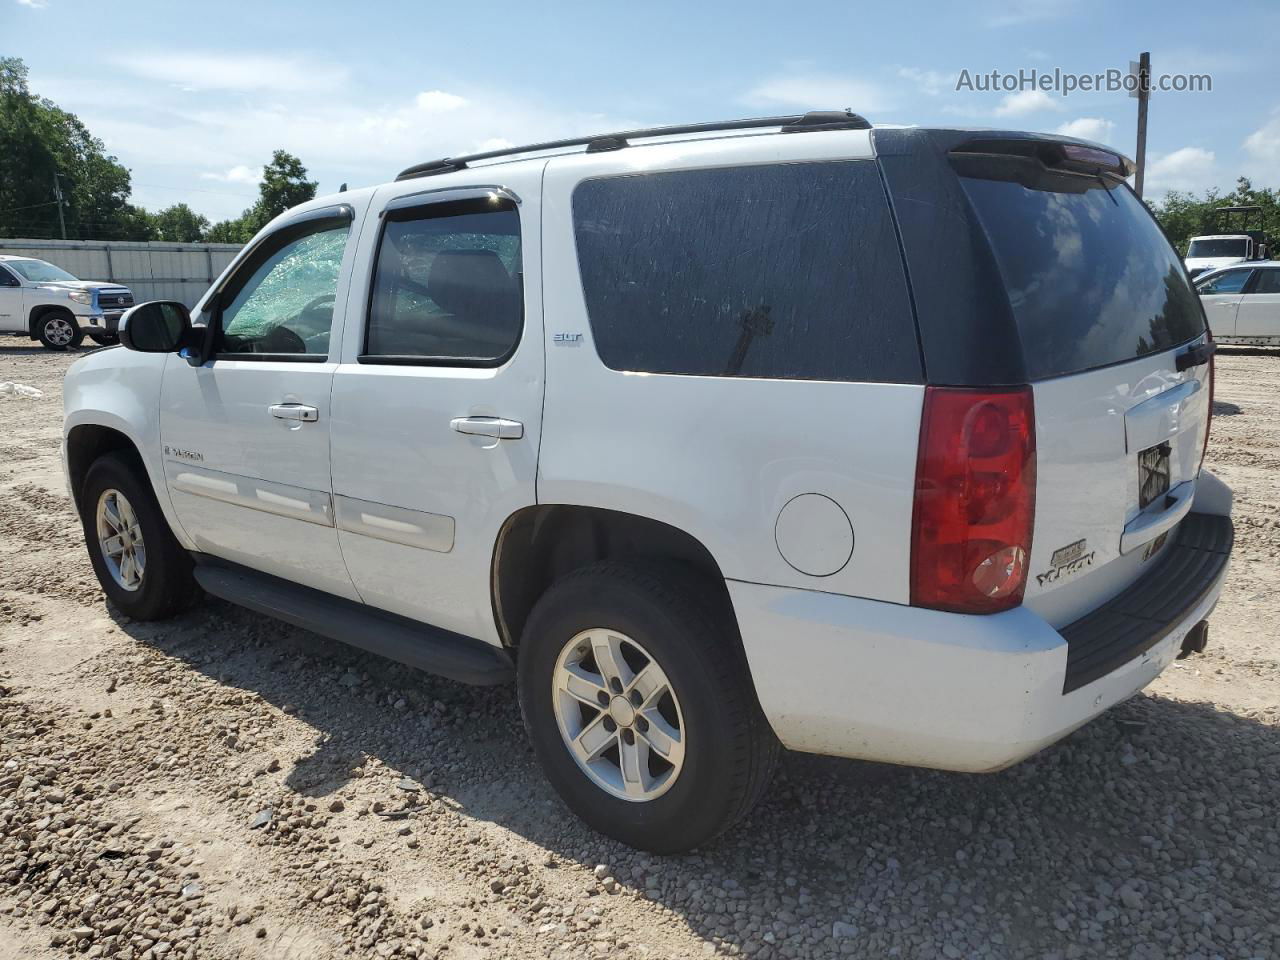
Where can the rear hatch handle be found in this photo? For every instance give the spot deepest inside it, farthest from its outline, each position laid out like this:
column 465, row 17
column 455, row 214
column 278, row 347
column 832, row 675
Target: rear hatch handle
column 1195, row 356
column 1148, row 525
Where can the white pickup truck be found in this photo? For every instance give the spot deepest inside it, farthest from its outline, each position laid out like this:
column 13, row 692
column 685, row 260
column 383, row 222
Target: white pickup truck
column 46, row 303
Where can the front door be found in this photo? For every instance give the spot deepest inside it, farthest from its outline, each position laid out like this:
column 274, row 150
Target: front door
column 246, row 436
column 1221, row 297
column 1259, row 312
column 437, row 405
column 12, row 316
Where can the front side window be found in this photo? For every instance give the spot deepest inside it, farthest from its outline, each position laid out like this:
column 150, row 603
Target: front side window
column 1232, row 281
column 285, row 304
column 447, row 284
column 37, row 271
column 788, row 271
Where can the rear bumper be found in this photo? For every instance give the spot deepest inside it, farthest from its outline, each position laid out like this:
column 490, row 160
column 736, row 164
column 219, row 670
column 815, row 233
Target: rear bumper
column 880, row 681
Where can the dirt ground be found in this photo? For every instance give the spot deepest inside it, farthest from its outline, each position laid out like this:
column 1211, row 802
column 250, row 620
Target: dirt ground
column 225, row 786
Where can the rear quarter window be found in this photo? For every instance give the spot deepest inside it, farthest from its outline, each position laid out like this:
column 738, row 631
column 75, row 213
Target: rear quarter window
column 788, row 271
column 1090, row 277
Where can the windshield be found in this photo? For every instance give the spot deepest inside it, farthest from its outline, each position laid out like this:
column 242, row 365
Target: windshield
column 37, row 271
column 1219, row 247
column 1091, row 279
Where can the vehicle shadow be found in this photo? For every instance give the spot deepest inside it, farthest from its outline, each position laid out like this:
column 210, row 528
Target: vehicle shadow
column 1023, row 862
column 1249, row 351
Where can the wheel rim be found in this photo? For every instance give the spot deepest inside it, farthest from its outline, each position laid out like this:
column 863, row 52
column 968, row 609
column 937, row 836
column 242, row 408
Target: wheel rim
column 59, row 331
column 618, row 715
column 120, row 539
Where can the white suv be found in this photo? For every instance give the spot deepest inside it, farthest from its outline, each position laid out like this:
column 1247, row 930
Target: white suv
column 876, row 443
column 46, row 303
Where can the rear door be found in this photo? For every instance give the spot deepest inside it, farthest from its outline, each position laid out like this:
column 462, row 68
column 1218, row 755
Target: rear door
column 1221, row 296
column 1108, row 325
column 1259, row 312
column 437, row 405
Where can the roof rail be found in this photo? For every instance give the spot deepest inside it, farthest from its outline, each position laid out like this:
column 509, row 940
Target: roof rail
column 798, row 123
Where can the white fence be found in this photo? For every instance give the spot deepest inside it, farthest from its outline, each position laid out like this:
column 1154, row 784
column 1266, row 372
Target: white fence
column 152, row 270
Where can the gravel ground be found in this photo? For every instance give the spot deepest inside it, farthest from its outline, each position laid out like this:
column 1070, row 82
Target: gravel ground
column 226, row 786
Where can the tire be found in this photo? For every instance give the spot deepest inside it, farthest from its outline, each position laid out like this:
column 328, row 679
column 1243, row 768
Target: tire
column 726, row 750
column 159, row 582
column 57, row 330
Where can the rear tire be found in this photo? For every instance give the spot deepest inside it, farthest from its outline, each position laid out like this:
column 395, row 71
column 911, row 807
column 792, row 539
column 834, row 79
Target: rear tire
column 57, row 330
column 630, row 778
column 143, row 569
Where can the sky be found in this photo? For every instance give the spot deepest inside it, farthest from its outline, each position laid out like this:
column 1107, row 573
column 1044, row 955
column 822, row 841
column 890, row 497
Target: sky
column 193, row 98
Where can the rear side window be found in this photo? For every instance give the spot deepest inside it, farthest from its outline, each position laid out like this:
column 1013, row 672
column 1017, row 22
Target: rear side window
column 788, row 271
column 447, row 286
column 1268, row 282
column 1091, row 279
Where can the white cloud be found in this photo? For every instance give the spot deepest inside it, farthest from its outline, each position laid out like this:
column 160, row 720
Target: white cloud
column 34, row 4
column 1190, row 168
column 1088, row 128
column 931, row 82
column 436, row 101
column 238, row 72
column 237, row 174
column 1026, row 101
column 1263, row 144
column 804, row 90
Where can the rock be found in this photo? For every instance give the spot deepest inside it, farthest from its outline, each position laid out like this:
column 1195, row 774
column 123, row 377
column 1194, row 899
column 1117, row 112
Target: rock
column 261, row 819
column 348, row 680
column 408, row 785
column 1131, row 898
column 841, row 930
column 601, row 871
column 336, row 806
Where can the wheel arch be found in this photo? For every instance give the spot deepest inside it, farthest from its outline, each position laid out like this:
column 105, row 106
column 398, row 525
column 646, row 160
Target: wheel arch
column 42, row 310
column 85, row 443
column 539, row 544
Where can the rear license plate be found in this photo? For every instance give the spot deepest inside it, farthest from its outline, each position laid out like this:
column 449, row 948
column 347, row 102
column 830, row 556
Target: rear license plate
column 1153, row 474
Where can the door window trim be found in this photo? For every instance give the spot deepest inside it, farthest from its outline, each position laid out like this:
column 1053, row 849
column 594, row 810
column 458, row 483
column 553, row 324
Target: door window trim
column 424, row 200
column 257, row 254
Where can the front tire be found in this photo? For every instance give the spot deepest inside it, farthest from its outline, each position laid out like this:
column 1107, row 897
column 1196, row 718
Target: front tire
column 640, row 707
column 58, row 330
column 143, row 569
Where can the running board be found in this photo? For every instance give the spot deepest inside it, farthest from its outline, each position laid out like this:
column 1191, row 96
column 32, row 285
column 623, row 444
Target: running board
column 397, row 638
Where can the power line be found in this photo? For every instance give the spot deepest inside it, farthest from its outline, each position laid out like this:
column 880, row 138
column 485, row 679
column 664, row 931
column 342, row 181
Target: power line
column 30, row 206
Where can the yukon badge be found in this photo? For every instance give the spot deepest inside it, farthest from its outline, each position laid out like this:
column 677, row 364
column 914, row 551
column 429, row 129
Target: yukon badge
column 1067, row 561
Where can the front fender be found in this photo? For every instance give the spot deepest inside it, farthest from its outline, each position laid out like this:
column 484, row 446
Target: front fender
column 119, row 389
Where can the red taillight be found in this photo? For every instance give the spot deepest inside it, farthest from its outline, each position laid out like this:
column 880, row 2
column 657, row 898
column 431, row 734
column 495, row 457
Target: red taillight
column 975, row 499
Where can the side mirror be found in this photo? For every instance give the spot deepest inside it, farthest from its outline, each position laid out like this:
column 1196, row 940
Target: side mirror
column 160, row 326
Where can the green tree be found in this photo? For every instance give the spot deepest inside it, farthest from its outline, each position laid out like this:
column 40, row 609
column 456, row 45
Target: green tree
column 41, row 144
column 179, row 224
column 284, row 185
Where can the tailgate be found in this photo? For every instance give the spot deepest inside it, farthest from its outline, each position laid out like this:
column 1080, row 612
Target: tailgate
column 1118, row 452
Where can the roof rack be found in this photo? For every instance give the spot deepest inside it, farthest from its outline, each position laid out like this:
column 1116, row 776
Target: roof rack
column 797, row 123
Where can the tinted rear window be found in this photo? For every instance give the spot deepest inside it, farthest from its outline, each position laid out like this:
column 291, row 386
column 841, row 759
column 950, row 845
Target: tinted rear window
column 787, row 271
column 1091, row 279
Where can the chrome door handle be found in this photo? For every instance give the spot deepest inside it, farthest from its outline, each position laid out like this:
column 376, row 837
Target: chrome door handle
column 294, row 411
column 495, row 427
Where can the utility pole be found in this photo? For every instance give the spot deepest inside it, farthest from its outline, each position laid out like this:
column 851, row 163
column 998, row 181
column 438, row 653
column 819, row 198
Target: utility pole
column 57, row 193
column 1143, row 93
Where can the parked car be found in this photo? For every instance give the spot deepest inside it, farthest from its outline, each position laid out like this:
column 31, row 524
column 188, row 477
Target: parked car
column 46, row 303
column 786, row 431
column 1243, row 303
